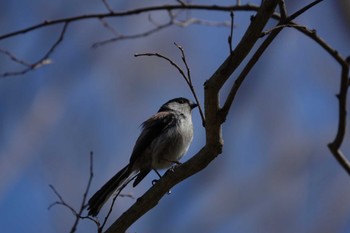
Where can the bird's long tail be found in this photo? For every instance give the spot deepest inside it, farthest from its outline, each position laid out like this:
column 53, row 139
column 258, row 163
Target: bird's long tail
column 115, row 183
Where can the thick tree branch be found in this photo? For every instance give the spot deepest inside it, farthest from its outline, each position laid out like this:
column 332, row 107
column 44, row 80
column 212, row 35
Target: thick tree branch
column 214, row 142
column 151, row 198
column 238, row 82
column 245, row 45
column 284, row 20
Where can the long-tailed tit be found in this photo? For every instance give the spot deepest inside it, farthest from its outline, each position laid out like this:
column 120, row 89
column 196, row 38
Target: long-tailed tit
column 164, row 139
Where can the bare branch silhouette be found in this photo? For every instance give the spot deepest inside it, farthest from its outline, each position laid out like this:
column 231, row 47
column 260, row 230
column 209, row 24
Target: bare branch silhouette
column 213, row 114
column 47, row 23
column 230, row 37
column 108, row 7
column 335, row 145
column 120, row 37
column 118, row 194
column 78, row 214
column 214, row 139
column 111, row 14
column 14, row 58
column 173, row 21
column 187, row 77
column 284, row 22
column 42, row 61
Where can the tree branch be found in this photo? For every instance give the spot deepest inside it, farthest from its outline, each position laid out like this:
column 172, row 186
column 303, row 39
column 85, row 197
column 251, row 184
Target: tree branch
column 108, row 7
column 187, row 77
column 156, row 29
column 151, row 198
column 213, row 145
column 339, row 138
column 284, row 22
column 42, row 61
column 214, row 115
column 238, row 82
column 230, row 37
column 47, row 23
column 245, row 45
column 77, row 214
column 111, row 14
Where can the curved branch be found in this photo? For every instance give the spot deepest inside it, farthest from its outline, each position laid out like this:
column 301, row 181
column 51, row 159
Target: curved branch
column 284, row 22
column 245, row 45
column 151, row 198
column 47, row 23
column 339, row 138
column 213, row 145
column 335, row 145
column 42, row 61
column 187, row 77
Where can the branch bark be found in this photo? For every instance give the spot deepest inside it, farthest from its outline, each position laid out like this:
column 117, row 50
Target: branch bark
column 339, row 138
column 214, row 141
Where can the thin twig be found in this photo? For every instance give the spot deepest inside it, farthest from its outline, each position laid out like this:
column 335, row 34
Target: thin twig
column 339, row 138
column 114, row 199
column 230, row 37
column 119, row 37
column 284, row 22
column 280, row 26
column 157, row 27
column 134, row 36
column 83, row 203
column 77, row 214
column 189, row 78
column 247, row 7
column 283, row 10
column 14, row 58
column 165, row 58
column 312, row 34
column 186, row 78
column 183, row 57
column 44, row 60
column 109, row 8
column 111, row 13
column 109, row 27
column 209, row 23
column 302, row 10
column 61, row 201
column 335, row 145
column 182, row 3
column 238, row 82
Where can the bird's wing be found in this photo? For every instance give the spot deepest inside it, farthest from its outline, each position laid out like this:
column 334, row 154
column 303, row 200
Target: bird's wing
column 151, row 129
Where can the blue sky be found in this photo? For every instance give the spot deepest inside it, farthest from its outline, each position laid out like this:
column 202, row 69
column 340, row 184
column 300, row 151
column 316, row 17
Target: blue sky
column 275, row 173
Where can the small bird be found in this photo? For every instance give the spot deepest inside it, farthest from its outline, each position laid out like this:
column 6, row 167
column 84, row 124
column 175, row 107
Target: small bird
column 164, row 139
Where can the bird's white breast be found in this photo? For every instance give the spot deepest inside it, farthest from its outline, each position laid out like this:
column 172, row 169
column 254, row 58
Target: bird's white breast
column 172, row 144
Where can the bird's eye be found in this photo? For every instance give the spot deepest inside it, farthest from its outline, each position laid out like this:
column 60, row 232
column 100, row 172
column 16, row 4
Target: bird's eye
column 181, row 101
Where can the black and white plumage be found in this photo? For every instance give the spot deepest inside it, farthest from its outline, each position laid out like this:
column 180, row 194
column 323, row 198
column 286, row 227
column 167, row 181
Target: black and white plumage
column 164, row 139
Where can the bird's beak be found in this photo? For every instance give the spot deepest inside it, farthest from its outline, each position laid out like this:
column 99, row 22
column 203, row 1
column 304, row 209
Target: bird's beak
column 193, row 105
